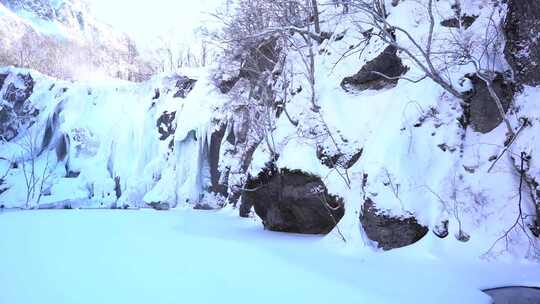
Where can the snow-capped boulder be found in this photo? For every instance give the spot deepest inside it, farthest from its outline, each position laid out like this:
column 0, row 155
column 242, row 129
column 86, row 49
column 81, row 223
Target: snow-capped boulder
column 20, row 88
column 514, row 295
column 465, row 21
column 292, row 201
column 522, row 30
column 184, row 85
column 388, row 231
column 368, row 78
column 441, row 229
column 484, row 113
column 340, row 159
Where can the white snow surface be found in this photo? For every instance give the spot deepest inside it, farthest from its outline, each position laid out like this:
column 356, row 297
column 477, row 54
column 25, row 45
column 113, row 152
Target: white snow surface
column 187, row 256
column 408, row 173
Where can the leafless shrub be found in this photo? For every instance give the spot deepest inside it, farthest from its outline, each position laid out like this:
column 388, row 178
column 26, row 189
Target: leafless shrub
column 35, row 178
column 425, row 56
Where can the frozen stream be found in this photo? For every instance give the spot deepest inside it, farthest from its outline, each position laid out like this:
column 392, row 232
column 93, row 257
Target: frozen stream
column 186, row 256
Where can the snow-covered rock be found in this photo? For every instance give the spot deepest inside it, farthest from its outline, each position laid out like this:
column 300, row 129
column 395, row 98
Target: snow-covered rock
column 292, row 201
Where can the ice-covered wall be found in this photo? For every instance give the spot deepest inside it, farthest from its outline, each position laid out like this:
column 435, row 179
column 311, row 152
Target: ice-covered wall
column 105, row 144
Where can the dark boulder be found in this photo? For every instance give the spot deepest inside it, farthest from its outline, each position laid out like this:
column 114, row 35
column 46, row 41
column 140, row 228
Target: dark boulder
column 17, row 95
column 226, row 85
column 514, row 295
column 160, row 206
column 292, row 201
column 213, row 157
column 166, row 125
column 387, row 63
column 522, row 49
column 388, row 231
column 3, row 78
column 17, row 111
column 338, row 159
column 184, row 85
column 465, row 22
column 441, row 229
column 483, row 111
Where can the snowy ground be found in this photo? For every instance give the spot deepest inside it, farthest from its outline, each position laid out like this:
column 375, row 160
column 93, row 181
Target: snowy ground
column 186, row 256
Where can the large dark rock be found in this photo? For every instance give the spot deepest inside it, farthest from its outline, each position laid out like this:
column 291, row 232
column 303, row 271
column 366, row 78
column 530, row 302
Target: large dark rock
column 166, row 125
column 18, row 94
column 3, row 78
column 337, row 159
column 522, row 42
column 292, row 201
column 226, row 85
column 184, row 85
column 213, row 158
column 160, row 206
column 390, row 232
column 465, row 22
column 17, row 111
column 484, row 114
column 387, row 63
column 514, row 295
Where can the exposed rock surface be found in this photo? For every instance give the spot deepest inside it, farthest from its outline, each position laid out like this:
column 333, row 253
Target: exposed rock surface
column 522, row 29
column 441, row 229
column 292, row 201
column 387, row 63
column 160, row 206
column 390, row 232
column 338, row 159
column 214, row 151
column 166, row 125
column 2, row 79
column 514, row 295
column 483, row 111
column 16, row 111
column 465, row 22
column 184, row 86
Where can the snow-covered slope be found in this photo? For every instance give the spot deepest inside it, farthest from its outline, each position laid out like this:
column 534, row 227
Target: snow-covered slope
column 55, row 36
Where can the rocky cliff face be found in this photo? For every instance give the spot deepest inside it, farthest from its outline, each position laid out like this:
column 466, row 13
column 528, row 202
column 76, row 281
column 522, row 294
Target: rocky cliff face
column 522, row 29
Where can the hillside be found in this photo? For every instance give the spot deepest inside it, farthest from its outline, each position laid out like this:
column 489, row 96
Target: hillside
column 64, row 39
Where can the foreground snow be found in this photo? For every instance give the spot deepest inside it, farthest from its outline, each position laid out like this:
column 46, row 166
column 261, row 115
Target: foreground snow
column 186, row 256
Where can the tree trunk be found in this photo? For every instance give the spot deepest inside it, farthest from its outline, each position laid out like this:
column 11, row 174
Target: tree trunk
column 316, row 16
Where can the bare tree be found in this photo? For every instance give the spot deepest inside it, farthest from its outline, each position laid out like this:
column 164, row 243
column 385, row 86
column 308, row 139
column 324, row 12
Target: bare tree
column 424, row 56
column 35, row 179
